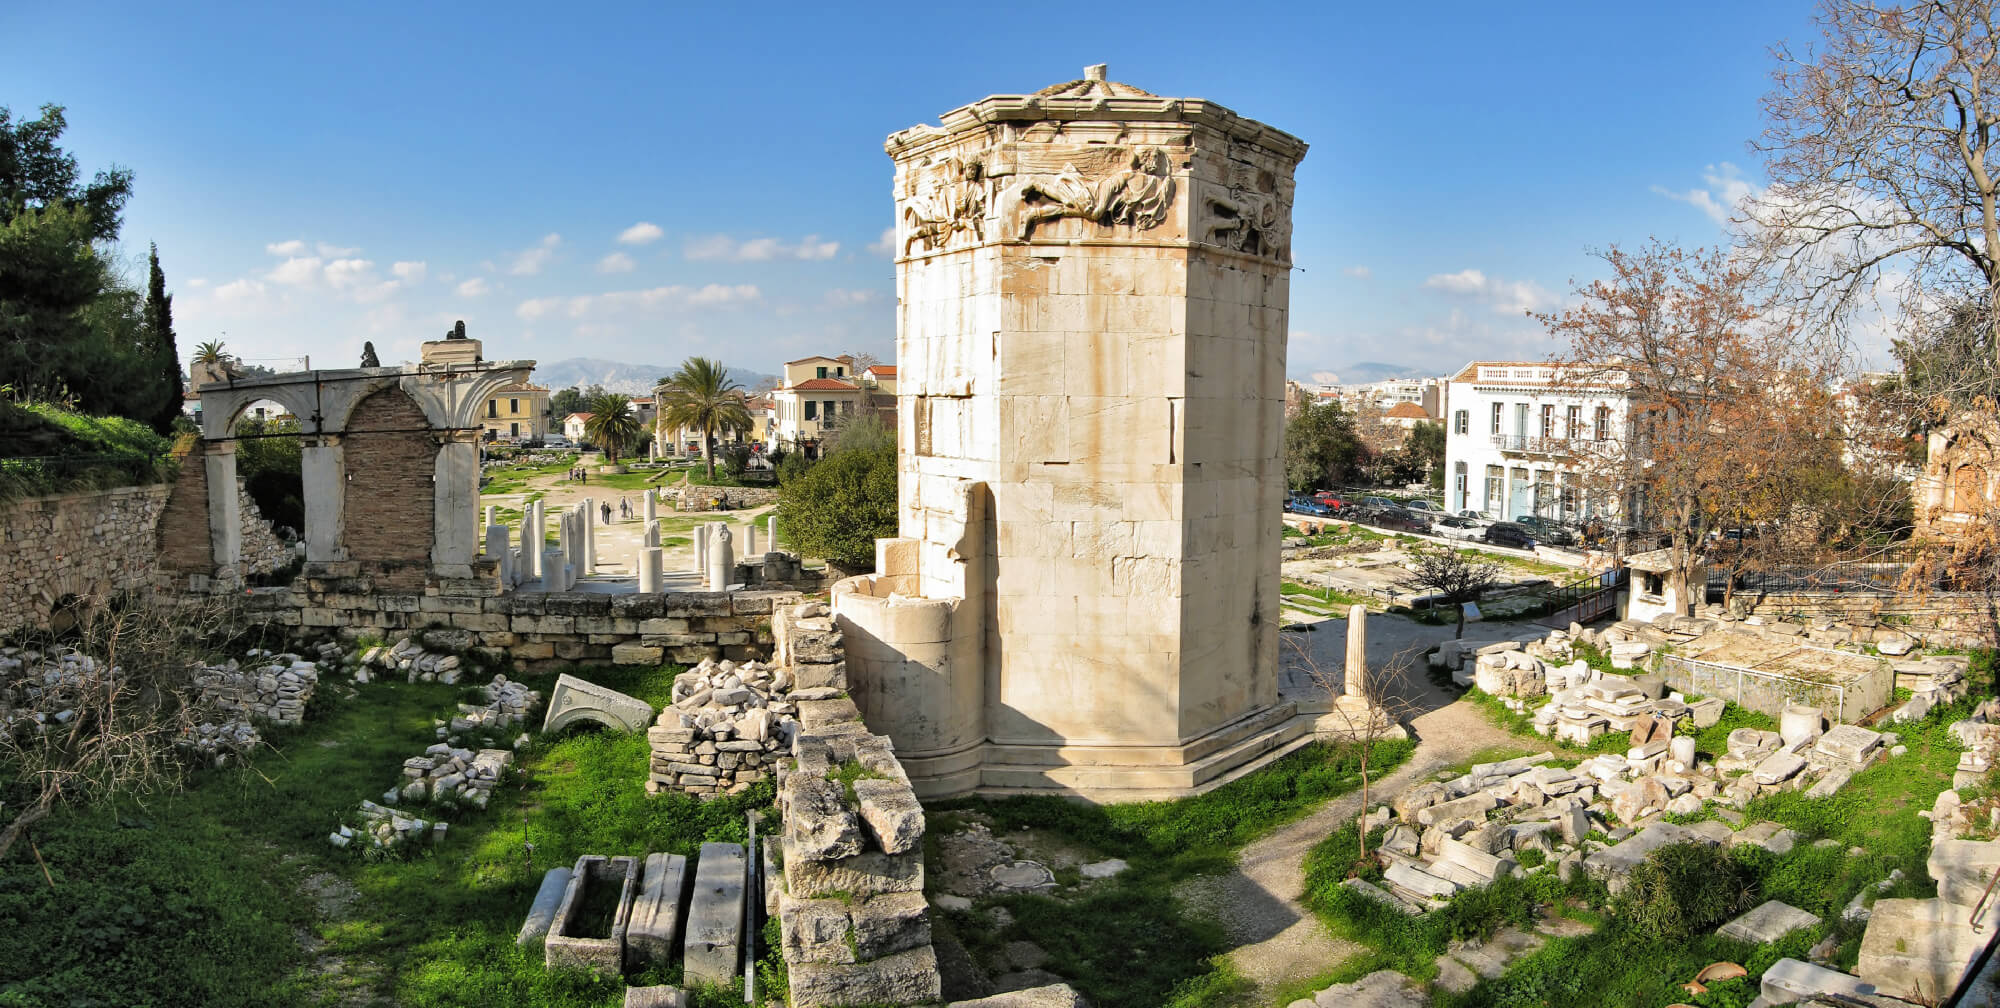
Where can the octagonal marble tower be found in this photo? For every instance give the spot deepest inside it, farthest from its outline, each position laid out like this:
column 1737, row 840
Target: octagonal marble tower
column 1092, row 286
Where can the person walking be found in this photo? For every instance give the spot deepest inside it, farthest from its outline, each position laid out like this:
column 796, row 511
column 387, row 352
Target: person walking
column 606, row 508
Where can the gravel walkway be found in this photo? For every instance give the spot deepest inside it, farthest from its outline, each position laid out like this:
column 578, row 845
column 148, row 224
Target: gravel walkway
column 1279, row 941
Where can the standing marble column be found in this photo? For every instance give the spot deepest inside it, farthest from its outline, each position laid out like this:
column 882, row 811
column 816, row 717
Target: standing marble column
column 771, row 530
column 498, row 548
column 650, row 506
column 750, row 538
column 701, row 550
column 1356, row 681
column 719, row 564
column 650, row 580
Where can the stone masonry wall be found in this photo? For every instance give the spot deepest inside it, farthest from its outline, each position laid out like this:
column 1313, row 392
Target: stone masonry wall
column 1940, row 619
column 262, row 551
column 89, row 545
column 390, row 431
column 538, row 631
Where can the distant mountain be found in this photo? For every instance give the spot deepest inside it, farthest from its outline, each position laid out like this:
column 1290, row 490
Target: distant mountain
column 628, row 379
column 1374, row 371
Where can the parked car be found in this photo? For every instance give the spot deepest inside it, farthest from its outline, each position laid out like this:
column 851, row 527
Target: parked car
column 1329, row 498
column 1401, row 520
column 1454, row 527
column 555, row 441
column 1473, row 514
column 1425, row 506
column 1380, row 502
column 1546, row 531
column 1300, row 504
column 1509, row 534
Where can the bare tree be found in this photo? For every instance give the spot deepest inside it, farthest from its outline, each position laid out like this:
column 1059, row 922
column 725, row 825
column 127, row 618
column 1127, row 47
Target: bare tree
column 1364, row 712
column 1880, row 154
column 1453, row 575
column 1724, row 403
column 104, row 709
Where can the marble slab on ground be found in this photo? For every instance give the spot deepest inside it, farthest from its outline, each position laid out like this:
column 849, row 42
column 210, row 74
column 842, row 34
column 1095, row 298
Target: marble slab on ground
column 1767, row 923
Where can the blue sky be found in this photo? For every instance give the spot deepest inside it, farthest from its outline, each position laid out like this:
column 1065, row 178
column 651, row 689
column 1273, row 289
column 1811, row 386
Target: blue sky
column 644, row 182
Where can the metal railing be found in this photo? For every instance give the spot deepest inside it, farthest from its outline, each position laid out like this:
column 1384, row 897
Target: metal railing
column 1711, row 679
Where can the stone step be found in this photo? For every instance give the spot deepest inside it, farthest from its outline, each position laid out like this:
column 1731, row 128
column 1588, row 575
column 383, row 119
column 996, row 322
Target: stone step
column 1145, row 782
column 1193, row 750
column 715, row 914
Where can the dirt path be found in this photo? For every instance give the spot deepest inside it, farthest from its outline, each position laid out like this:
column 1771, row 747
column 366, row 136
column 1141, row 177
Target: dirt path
column 1279, row 941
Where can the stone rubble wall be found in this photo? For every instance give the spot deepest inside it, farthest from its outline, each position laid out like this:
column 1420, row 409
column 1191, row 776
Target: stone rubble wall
column 89, row 545
column 724, row 731
column 699, row 498
column 262, row 551
column 536, row 630
column 1940, row 619
column 850, row 894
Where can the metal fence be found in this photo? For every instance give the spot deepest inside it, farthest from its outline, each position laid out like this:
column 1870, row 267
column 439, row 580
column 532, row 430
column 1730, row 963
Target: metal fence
column 1772, row 692
column 50, row 472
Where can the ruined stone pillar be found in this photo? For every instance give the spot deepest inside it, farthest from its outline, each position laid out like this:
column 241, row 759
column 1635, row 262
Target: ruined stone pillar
column 749, row 538
column 650, row 580
column 701, row 550
column 719, row 565
column 225, row 518
column 650, row 506
column 652, row 537
column 1356, row 679
column 489, row 515
column 588, row 545
column 534, row 536
column 771, row 529
column 323, row 477
column 455, row 490
column 498, row 548
column 553, row 571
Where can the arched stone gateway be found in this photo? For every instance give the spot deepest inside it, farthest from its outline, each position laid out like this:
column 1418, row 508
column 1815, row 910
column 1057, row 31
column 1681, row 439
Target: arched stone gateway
column 422, row 421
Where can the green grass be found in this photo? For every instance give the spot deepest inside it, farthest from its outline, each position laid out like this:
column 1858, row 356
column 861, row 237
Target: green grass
column 1294, row 590
column 191, row 898
column 1127, row 942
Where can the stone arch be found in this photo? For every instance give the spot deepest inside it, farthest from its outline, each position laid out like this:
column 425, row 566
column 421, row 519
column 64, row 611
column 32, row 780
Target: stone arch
column 387, row 513
column 1968, row 491
column 574, row 701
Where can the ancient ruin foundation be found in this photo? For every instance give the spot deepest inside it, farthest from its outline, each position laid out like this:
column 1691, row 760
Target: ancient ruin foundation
column 1092, row 285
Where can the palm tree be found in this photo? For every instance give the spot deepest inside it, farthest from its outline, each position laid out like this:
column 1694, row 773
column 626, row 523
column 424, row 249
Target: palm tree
column 701, row 397
column 612, row 425
column 211, row 359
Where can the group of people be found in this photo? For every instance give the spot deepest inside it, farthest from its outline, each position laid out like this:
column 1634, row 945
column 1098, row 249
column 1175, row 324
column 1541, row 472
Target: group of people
column 624, row 510
column 579, row 475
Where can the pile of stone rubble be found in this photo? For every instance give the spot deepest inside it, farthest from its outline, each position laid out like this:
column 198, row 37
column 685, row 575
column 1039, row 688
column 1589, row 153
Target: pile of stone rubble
column 508, row 705
column 409, row 657
column 447, row 776
column 384, row 828
column 265, row 687
column 42, row 688
column 725, row 728
column 450, row 774
column 1605, row 815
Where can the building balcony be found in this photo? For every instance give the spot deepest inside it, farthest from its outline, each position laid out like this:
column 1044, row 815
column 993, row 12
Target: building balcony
column 1522, row 444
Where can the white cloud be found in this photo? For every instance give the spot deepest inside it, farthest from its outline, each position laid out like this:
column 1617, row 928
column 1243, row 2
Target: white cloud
column 642, row 233
column 652, row 299
column 1726, row 196
column 239, row 291
column 1359, row 272
column 723, row 247
column 475, row 287
column 1504, row 297
column 286, row 248
column 297, row 271
column 616, row 262
column 334, row 251
column 410, row 272
column 886, row 244
column 530, row 262
column 840, row 296
column 197, row 281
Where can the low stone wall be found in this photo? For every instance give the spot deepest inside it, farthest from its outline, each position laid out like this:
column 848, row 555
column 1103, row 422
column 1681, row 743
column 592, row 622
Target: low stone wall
column 1940, row 619
column 855, row 924
column 703, row 498
column 91, row 545
column 535, row 630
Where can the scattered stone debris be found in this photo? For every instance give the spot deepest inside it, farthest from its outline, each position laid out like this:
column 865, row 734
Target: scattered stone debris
column 384, row 828
column 409, row 657
column 725, row 729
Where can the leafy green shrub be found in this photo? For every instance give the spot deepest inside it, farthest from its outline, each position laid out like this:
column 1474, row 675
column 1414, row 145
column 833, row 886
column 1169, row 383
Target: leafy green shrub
column 1684, row 889
column 838, row 508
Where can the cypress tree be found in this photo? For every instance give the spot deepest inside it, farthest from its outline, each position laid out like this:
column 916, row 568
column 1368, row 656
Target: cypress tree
column 166, row 356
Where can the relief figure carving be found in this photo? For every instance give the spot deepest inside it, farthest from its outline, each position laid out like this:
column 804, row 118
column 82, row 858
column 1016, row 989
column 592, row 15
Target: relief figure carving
column 1140, row 194
column 1250, row 222
column 955, row 202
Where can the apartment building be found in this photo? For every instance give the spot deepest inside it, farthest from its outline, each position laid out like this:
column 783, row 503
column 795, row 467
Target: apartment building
column 1513, row 433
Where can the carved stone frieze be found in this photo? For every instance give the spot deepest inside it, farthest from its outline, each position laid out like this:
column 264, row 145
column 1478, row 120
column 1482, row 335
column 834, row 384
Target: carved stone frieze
column 1138, row 191
column 943, row 201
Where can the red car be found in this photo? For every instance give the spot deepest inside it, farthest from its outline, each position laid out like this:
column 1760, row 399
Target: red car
column 1328, row 498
